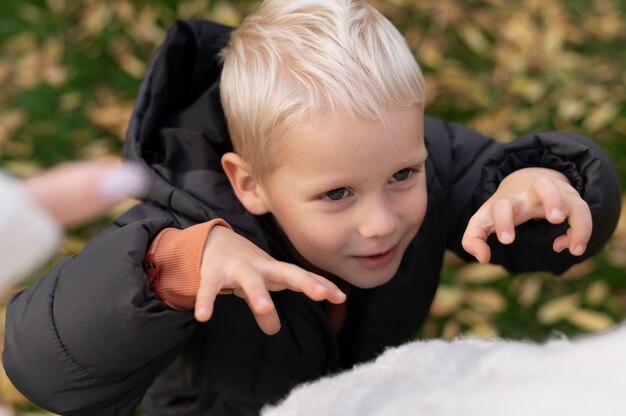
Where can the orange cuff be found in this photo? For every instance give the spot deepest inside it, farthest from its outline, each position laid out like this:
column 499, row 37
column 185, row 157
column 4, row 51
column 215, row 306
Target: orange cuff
column 173, row 263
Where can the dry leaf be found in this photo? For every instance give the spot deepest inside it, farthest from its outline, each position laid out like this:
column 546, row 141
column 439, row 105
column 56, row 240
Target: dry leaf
column 471, row 317
column 589, row 320
column 96, row 16
column 530, row 89
column 122, row 51
column 529, row 291
column 447, row 300
column 597, row 293
column 556, row 309
column 109, row 112
column 600, row 116
column 489, row 301
column 483, row 330
column 451, row 330
column 57, row 6
column 474, row 38
column 480, row 273
column 10, row 121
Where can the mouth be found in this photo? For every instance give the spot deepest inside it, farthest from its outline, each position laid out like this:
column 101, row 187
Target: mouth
column 379, row 259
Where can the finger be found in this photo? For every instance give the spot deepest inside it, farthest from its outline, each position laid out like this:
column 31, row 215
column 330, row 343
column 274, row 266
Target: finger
column 549, row 195
column 288, row 276
column 581, row 225
column 205, row 299
column 268, row 322
column 562, row 241
column 253, row 287
column 475, row 237
column 502, row 214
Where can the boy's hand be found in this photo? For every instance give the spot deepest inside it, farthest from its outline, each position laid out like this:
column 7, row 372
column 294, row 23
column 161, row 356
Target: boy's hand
column 232, row 264
column 524, row 195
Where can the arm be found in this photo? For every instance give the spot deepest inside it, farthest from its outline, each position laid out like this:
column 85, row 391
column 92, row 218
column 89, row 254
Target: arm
column 220, row 261
column 34, row 210
column 90, row 337
column 587, row 169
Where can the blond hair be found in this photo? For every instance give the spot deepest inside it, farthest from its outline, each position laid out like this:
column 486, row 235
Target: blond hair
column 293, row 58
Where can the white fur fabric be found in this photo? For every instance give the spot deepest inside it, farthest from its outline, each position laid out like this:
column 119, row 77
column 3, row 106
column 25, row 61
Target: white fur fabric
column 471, row 377
column 28, row 234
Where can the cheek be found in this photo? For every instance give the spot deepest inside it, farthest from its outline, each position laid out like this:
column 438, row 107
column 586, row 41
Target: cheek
column 414, row 207
column 323, row 236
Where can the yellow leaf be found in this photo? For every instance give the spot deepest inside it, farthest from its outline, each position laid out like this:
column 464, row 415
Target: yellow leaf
column 96, row 16
column 597, row 293
column 451, row 330
column 484, row 330
column 471, row 317
column 10, row 121
column 571, row 109
column 474, row 38
column 601, row 116
column 529, row 291
column 530, row 89
column 556, row 309
column 589, row 320
column 480, row 273
column 447, row 300
column 57, row 6
column 485, row 300
column 226, row 14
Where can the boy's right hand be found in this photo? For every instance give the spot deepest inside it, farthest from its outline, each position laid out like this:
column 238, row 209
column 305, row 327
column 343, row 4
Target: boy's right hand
column 233, row 264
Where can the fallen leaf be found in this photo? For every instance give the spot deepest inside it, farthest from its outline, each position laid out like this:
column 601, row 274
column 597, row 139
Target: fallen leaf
column 557, row 309
column 480, row 273
column 489, row 301
column 447, row 300
column 529, row 291
column 589, row 320
column 597, row 293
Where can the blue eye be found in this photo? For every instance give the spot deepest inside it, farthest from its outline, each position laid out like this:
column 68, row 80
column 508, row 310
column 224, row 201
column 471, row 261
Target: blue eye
column 336, row 194
column 401, row 175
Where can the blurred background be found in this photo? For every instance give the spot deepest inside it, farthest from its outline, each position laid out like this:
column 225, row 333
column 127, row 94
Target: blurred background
column 70, row 71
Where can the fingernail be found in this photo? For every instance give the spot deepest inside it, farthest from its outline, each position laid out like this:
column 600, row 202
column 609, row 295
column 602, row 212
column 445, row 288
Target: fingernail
column 128, row 180
column 201, row 312
column 557, row 213
column 262, row 302
column 506, row 237
column 579, row 250
column 340, row 294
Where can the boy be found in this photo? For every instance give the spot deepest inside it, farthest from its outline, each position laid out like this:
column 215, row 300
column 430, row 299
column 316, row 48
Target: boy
column 338, row 187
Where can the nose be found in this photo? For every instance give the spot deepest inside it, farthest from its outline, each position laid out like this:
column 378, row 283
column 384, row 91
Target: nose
column 378, row 219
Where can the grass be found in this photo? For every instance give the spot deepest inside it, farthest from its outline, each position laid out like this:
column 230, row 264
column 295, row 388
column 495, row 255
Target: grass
column 70, row 70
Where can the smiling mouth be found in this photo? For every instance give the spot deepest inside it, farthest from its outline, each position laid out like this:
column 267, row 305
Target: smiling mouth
column 377, row 260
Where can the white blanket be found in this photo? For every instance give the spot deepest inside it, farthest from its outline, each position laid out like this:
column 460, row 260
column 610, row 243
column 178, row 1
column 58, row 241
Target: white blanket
column 471, row 377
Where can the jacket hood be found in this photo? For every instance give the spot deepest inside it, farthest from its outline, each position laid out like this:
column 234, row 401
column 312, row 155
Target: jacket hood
column 178, row 130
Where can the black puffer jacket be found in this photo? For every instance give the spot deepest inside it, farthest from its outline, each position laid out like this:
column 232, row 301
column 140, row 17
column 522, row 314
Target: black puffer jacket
column 92, row 339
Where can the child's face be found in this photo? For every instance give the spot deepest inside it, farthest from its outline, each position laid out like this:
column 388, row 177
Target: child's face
column 350, row 194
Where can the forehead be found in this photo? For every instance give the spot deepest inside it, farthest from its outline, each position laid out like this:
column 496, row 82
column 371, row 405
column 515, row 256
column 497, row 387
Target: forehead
column 331, row 146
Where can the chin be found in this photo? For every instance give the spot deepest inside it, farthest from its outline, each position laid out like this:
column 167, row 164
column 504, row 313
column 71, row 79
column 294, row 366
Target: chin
column 371, row 282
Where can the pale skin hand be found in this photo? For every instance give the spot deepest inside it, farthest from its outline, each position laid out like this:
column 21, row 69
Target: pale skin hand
column 526, row 194
column 76, row 192
column 231, row 263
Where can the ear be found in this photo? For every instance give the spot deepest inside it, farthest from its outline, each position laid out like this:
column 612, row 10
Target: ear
column 248, row 190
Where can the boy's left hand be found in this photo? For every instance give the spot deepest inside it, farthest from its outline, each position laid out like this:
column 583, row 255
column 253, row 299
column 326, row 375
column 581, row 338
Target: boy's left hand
column 526, row 194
